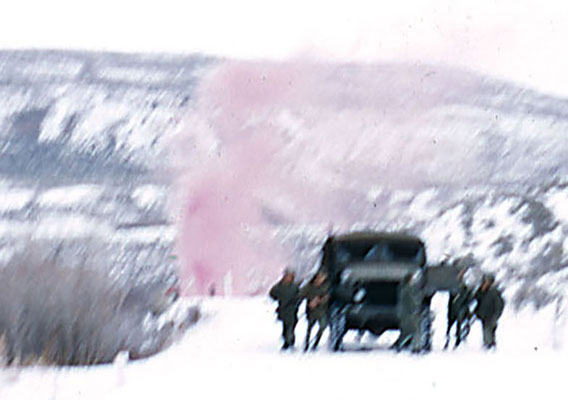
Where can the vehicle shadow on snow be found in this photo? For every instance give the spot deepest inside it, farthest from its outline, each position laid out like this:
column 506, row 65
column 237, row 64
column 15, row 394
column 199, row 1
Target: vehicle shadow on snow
column 366, row 347
column 369, row 344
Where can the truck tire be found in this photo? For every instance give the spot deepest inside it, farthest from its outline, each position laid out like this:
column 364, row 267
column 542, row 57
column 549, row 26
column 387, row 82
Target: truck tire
column 426, row 330
column 336, row 327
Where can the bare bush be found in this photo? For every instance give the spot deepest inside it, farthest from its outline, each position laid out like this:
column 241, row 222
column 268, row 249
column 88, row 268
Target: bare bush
column 528, row 293
column 70, row 312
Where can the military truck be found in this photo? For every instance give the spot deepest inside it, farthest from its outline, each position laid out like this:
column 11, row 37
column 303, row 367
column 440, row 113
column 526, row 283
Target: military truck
column 365, row 270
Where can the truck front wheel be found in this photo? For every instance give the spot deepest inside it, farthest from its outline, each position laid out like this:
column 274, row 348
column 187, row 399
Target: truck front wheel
column 426, row 330
column 336, row 327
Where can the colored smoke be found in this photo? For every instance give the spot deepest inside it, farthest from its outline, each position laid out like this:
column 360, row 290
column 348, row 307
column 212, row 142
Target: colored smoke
column 269, row 144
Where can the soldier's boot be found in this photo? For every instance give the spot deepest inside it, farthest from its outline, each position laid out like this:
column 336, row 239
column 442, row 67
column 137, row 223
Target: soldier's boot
column 308, row 334
column 463, row 332
column 292, row 340
column 493, row 335
column 492, row 343
column 321, row 328
column 465, row 329
column 489, row 335
column 490, row 346
column 285, row 345
column 316, row 342
column 448, row 330
column 289, row 337
column 458, row 334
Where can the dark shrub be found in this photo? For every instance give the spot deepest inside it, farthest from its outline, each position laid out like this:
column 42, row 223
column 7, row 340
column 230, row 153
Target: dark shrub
column 69, row 312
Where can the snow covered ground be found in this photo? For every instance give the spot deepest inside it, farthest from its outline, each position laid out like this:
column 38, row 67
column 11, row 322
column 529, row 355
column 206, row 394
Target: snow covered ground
column 233, row 352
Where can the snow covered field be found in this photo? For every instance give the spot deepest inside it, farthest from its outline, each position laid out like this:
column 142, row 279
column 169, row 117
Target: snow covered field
column 233, row 352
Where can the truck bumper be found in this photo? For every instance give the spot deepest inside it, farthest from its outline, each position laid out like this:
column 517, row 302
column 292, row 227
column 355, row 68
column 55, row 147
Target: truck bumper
column 374, row 318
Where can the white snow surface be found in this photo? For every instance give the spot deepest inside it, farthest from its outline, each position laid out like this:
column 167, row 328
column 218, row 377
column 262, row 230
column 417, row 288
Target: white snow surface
column 558, row 202
column 68, row 196
column 156, row 234
column 147, row 196
column 233, row 352
column 15, row 199
column 70, row 226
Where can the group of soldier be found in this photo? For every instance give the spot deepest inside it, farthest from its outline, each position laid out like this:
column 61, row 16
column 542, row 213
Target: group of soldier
column 290, row 295
column 489, row 306
column 487, row 299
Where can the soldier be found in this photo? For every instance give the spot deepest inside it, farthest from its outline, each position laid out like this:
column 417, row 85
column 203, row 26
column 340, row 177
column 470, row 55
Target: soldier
column 408, row 312
column 489, row 308
column 287, row 293
column 316, row 293
column 458, row 311
column 344, row 296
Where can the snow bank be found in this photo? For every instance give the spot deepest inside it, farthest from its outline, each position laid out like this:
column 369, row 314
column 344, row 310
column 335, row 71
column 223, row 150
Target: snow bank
column 69, row 196
column 15, row 199
column 148, row 196
column 71, row 226
column 234, row 352
column 150, row 234
column 557, row 200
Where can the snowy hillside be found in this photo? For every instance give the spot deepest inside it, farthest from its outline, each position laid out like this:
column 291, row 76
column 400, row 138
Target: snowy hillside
column 83, row 143
column 79, row 115
column 129, row 223
column 263, row 159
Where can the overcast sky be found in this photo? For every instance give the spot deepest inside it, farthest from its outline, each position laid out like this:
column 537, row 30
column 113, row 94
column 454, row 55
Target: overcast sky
column 516, row 39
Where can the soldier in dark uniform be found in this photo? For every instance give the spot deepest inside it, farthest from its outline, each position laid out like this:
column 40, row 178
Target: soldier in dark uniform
column 489, row 308
column 287, row 293
column 343, row 298
column 316, row 293
column 409, row 307
column 458, row 311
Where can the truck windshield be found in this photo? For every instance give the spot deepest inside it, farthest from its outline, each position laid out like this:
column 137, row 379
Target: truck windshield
column 404, row 252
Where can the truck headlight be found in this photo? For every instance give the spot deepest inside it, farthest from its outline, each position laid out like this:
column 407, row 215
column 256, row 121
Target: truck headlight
column 359, row 295
column 345, row 275
column 417, row 277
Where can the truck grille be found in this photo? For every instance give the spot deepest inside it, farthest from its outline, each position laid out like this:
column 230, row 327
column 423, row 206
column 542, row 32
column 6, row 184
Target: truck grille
column 381, row 293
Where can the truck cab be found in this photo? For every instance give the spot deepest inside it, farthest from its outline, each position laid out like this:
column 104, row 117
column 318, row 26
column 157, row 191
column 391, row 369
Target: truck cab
column 370, row 266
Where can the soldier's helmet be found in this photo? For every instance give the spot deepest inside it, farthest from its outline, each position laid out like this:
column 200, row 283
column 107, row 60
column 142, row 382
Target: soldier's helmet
column 488, row 277
column 289, row 274
column 320, row 275
column 289, row 270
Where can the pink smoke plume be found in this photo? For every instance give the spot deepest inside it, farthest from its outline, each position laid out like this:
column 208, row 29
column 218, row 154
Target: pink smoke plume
column 293, row 140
